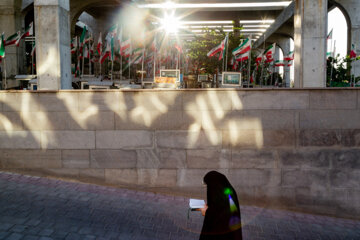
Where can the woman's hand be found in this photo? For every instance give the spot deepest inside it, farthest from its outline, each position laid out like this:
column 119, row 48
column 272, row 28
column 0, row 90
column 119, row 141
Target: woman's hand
column 203, row 210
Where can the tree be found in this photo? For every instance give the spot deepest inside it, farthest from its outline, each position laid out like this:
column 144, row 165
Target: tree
column 197, row 49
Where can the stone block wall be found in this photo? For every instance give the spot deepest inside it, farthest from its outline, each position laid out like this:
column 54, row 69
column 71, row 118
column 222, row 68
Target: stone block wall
column 288, row 148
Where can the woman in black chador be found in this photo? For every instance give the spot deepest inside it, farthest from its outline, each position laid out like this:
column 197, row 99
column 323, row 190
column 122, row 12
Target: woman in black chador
column 222, row 213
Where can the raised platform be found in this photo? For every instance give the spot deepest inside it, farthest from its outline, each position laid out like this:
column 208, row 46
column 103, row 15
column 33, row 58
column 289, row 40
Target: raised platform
column 295, row 149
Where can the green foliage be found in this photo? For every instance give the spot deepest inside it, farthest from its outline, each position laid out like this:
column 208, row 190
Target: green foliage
column 198, row 48
column 338, row 72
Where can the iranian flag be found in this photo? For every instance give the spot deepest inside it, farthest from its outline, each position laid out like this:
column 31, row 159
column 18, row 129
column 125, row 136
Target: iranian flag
column 243, row 57
column 290, row 63
column 137, row 52
column 112, row 49
column 329, row 36
column 33, row 50
column 86, row 52
column 215, row 50
column 74, row 45
column 77, row 71
column 126, row 53
column 138, row 60
column 106, row 53
column 125, row 44
column 154, row 45
column 290, row 56
column 13, row 39
column 89, row 38
column 178, row 48
column 234, row 63
column 2, row 46
column 244, row 47
column 279, row 63
column 259, row 58
column 29, row 31
column 112, row 32
column 328, row 54
column 269, row 53
column 352, row 52
column 99, row 45
column 82, row 37
column 223, row 51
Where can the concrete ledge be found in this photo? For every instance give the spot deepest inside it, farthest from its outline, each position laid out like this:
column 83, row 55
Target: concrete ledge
column 278, row 147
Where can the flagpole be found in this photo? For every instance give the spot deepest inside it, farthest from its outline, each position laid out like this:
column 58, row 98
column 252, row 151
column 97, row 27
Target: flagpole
column 332, row 65
column 155, row 62
column 32, row 60
column 83, row 63
column 89, row 60
column 249, row 67
column 142, row 68
column 112, row 69
column 130, row 65
column 354, row 65
column 5, row 83
column 227, row 47
column 262, row 65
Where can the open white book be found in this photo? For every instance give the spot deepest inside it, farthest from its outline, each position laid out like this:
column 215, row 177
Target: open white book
column 196, row 204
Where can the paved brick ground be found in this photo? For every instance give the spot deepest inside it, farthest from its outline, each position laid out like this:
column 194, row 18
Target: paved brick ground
column 41, row 208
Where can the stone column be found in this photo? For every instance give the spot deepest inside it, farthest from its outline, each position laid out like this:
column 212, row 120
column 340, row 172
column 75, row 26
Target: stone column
column 10, row 23
column 53, row 54
column 310, row 25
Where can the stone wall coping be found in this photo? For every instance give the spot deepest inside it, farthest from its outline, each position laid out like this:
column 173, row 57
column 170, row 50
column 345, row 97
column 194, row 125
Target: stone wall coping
column 184, row 90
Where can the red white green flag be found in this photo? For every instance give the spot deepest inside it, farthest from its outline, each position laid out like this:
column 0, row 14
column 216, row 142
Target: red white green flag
column 259, row 58
column 214, row 51
column 2, row 46
column 29, row 31
column 125, row 45
column 234, row 63
column 112, row 32
column 138, row 60
column 244, row 47
column 99, row 45
column 86, row 52
column 112, row 49
column 178, row 48
column 352, row 52
column 106, row 53
column 269, row 53
column 279, row 63
column 82, row 37
column 126, row 53
column 33, row 50
column 217, row 49
column 77, row 72
column 290, row 56
column 290, row 63
column 74, row 45
column 329, row 36
column 223, row 51
column 137, row 52
column 13, row 39
column 243, row 57
column 89, row 38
